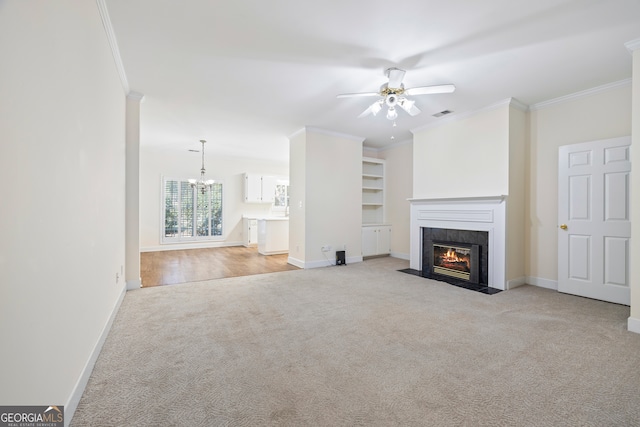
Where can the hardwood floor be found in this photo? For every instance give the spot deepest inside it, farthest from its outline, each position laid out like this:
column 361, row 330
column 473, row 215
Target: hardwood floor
column 192, row 265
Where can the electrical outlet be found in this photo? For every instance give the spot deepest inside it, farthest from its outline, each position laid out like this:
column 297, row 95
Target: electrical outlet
column 326, row 248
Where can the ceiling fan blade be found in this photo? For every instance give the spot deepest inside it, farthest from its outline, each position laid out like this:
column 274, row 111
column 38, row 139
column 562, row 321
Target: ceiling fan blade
column 427, row 90
column 373, row 109
column 395, row 77
column 350, row 95
column 409, row 106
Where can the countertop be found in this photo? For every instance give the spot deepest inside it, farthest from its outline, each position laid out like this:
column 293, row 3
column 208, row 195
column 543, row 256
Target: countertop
column 266, row 218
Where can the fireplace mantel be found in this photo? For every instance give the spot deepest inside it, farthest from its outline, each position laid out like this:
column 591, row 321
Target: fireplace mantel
column 479, row 199
column 484, row 213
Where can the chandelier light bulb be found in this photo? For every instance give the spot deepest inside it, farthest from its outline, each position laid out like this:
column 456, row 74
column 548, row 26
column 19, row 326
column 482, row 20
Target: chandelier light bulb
column 392, row 114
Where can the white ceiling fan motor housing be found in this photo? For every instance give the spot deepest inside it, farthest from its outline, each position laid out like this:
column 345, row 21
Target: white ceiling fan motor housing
column 391, row 100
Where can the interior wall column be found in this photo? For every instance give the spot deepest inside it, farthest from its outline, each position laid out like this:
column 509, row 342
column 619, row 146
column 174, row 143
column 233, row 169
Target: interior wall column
column 634, row 277
column 132, row 191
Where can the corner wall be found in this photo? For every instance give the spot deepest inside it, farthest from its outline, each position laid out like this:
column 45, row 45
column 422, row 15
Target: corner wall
column 515, row 245
column 326, row 177
column 62, row 158
column 399, row 188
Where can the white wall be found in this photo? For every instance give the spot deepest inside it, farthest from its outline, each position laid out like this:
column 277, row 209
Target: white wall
column 156, row 163
column 330, row 165
column 596, row 115
column 399, row 188
column 62, row 155
column 515, row 273
column 297, row 198
column 463, row 158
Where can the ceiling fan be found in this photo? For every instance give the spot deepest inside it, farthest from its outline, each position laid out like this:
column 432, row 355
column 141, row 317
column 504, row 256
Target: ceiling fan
column 393, row 92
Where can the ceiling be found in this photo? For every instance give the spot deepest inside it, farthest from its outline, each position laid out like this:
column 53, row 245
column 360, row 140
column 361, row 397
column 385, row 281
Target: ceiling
column 247, row 74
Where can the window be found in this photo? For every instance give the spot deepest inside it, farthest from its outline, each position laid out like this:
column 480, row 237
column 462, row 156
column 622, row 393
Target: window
column 190, row 214
column 281, row 201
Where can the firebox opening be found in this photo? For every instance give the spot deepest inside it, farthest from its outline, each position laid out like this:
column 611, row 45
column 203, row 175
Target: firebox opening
column 457, row 260
column 451, row 261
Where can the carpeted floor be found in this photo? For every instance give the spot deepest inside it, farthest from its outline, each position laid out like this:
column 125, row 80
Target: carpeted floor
column 362, row 345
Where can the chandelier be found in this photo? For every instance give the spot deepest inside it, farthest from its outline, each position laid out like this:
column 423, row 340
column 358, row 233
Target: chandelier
column 201, row 184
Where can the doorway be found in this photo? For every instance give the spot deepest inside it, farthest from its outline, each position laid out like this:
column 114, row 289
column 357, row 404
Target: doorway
column 594, row 226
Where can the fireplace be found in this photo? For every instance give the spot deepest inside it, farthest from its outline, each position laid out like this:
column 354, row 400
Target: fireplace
column 448, row 220
column 461, row 255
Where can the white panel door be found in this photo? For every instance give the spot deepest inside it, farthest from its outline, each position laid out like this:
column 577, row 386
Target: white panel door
column 593, row 219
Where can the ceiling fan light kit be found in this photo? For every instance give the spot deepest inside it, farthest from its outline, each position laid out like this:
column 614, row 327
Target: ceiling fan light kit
column 392, row 114
column 392, row 95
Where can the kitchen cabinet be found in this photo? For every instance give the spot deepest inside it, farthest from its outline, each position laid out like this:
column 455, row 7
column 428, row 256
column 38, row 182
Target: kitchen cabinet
column 273, row 236
column 376, row 240
column 249, row 232
column 259, row 188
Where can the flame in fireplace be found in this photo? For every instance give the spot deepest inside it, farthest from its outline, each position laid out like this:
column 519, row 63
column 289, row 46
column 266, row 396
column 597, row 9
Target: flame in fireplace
column 451, row 256
column 452, row 259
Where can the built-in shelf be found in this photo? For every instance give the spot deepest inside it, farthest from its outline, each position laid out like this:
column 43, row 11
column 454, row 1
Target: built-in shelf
column 372, row 191
column 376, row 235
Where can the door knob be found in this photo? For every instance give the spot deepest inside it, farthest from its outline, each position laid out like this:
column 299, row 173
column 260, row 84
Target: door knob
column 563, row 226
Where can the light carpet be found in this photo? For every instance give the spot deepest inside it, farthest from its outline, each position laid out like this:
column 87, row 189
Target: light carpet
column 362, row 345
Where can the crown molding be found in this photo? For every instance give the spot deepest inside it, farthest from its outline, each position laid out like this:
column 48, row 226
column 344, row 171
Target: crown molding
column 632, row 45
column 389, row 147
column 311, row 129
column 113, row 43
column 577, row 95
column 296, row 133
column 135, row 96
column 519, row 105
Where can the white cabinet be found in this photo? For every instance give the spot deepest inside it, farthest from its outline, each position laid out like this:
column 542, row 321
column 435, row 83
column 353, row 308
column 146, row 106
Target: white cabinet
column 376, row 240
column 372, row 191
column 268, row 189
column 249, row 232
column 273, row 236
column 259, row 188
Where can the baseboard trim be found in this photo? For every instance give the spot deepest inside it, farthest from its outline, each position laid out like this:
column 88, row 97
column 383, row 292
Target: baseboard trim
column 514, row 283
column 296, row 262
column 405, row 257
column 321, row 263
column 542, row 283
column 73, row 401
column 134, row 284
column 633, row 325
